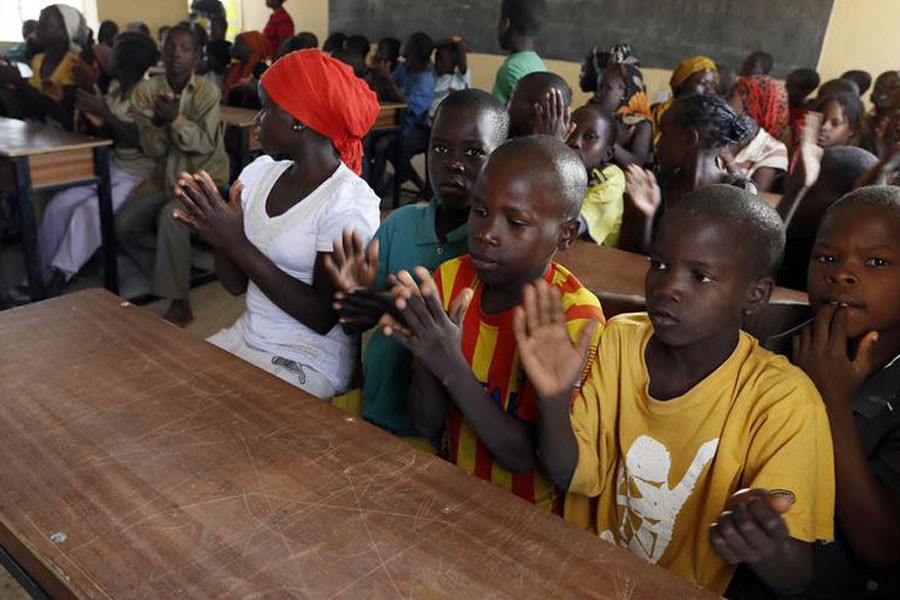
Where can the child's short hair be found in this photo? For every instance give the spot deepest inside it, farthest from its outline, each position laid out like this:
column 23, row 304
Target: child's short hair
column 391, row 48
column 357, row 45
column 139, row 51
column 525, row 16
column 849, row 102
column 881, row 196
column 420, row 46
column 301, row 41
column 187, row 30
column 107, row 32
column 534, row 83
column 713, row 117
column 837, row 86
column 557, row 161
column 862, row 79
column 762, row 229
column 483, row 102
column 806, row 80
column 842, row 166
column 334, row 42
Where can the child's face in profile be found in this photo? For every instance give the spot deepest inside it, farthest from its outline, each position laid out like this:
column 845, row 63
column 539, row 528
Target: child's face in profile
column 515, row 225
column 610, row 90
column 698, row 281
column 461, row 140
column 836, row 128
column 856, row 261
column 591, row 138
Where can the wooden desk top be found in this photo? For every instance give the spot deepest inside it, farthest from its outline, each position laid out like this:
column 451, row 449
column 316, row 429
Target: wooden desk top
column 139, row 461
column 18, row 138
column 609, row 271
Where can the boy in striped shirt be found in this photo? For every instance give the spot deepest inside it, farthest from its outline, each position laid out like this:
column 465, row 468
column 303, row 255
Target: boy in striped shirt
column 468, row 380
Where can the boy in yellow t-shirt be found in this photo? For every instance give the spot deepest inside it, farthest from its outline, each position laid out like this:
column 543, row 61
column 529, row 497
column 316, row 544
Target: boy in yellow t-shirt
column 682, row 410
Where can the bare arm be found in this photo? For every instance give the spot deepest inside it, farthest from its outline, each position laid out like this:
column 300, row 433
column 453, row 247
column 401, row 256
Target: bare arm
column 427, row 402
column 638, row 152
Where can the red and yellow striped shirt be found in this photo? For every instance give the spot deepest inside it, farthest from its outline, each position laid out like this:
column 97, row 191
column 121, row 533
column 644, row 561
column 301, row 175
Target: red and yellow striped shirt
column 489, row 345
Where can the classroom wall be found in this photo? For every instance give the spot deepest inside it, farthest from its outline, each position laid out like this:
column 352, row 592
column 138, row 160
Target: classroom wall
column 164, row 12
column 862, row 34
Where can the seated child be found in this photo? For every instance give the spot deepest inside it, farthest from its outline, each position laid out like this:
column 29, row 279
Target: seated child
column 356, row 49
column 621, row 91
column 387, row 54
column 302, row 41
column 519, row 25
column 883, row 123
column 596, row 60
column 695, row 75
column 693, row 409
column 468, row 125
column 249, row 50
column 531, row 100
column 762, row 157
column 380, row 74
column 815, row 184
column 177, row 116
column 70, row 228
column 757, row 63
column 49, row 93
column 271, row 240
column 593, row 139
column 467, row 380
column 693, row 133
column 451, row 71
column 842, row 114
column 800, row 83
column 850, row 352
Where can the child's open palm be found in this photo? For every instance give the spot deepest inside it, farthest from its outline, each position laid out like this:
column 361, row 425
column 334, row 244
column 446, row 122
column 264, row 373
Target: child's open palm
column 642, row 190
column 551, row 361
column 352, row 266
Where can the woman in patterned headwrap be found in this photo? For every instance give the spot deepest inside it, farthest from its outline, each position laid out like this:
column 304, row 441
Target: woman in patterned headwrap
column 50, row 92
column 273, row 236
column 621, row 91
column 695, row 75
column 765, row 100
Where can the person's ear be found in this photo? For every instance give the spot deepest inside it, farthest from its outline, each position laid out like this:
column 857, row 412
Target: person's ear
column 503, row 25
column 758, row 294
column 568, row 233
column 692, row 139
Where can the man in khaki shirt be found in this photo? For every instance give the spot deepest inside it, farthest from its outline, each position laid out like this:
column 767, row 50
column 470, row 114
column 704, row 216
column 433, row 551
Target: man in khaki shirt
column 177, row 115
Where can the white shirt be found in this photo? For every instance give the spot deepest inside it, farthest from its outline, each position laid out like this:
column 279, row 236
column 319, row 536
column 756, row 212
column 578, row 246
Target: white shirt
column 444, row 85
column 291, row 240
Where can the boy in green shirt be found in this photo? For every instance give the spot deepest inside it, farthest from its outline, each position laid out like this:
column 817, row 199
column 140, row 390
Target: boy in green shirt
column 520, row 22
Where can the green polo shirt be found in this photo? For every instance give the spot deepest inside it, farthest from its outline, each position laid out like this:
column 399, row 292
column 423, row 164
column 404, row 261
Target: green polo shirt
column 406, row 239
column 515, row 67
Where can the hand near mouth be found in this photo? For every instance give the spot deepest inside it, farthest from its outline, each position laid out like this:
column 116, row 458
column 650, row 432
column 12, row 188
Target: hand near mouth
column 822, row 351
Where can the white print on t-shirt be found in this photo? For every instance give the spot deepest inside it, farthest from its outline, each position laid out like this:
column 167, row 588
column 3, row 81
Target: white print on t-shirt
column 649, row 507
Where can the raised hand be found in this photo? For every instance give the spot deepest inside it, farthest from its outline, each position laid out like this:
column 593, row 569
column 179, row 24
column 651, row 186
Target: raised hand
column 821, row 350
column 642, row 190
column 352, row 266
column 551, row 116
column 218, row 222
column 551, row 361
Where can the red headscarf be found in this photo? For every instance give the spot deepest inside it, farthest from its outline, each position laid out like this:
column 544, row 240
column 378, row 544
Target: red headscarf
column 766, row 100
column 325, row 95
column 259, row 47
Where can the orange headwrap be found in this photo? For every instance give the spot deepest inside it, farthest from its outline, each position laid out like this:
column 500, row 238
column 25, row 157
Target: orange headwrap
column 325, row 95
column 689, row 66
column 259, row 46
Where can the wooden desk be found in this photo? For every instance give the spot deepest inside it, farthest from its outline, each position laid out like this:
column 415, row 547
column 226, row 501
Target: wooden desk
column 388, row 122
column 141, row 462
column 38, row 158
column 243, row 120
column 607, row 271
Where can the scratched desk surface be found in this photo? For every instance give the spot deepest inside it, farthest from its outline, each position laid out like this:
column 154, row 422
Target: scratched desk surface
column 140, row 462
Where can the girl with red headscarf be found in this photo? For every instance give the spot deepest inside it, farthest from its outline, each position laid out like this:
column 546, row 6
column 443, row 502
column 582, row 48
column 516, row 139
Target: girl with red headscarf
column 271, row 238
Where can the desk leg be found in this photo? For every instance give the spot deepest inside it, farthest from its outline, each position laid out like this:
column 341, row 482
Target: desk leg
column 29, row 227
column 107, row 224
column 398, row 157
column 244, row 147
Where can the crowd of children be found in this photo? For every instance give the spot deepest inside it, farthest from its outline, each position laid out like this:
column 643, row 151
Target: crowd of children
column 753, row 468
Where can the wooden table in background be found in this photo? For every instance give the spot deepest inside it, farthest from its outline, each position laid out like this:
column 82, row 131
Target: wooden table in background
column 389, row 121
column 607, row 271
column 141, row 462
column 38, row 158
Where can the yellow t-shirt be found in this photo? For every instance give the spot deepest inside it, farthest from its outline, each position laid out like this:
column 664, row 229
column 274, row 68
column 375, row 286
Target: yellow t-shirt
column 664, row 470
column 604, row 205
column 61, row 76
